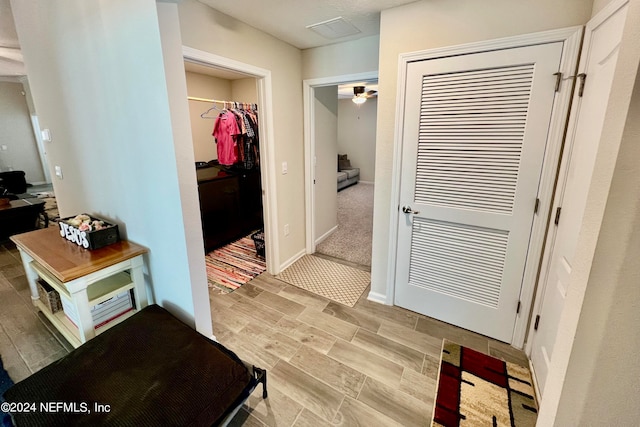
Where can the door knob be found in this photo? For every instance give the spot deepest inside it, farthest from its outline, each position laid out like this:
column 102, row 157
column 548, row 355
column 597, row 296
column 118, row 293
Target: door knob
column 408, row 210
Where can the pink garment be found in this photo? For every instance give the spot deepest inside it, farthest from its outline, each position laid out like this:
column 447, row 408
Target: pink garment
column 224, row 130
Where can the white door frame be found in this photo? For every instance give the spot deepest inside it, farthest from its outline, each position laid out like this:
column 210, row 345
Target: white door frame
column 267, row 152
column 571, row 38
column 308, row 94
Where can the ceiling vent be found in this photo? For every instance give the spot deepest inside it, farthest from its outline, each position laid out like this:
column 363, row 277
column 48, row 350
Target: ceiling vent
column 334, row 28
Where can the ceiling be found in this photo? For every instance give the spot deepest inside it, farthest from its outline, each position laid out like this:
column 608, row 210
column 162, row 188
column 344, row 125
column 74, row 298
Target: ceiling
column 285, row 19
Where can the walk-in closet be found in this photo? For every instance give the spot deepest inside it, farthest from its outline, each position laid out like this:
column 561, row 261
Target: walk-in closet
column 226, row 143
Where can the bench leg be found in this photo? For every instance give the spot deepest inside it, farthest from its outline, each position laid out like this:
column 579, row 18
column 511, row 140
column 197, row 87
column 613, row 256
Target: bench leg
column 261, row 376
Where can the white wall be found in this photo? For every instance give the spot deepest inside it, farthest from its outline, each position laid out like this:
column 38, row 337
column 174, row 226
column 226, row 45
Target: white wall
column 601, row 386
column 16, row 133
column 209, row 87
column 594, row 371
column 357, row 135
column 326, row 137
column 235, row 40
column 99, row 84
column 357, row 56
column 598, row 5
column 426, row 25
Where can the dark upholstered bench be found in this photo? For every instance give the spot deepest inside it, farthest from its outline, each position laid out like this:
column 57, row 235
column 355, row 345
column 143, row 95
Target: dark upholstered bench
column 151, row 370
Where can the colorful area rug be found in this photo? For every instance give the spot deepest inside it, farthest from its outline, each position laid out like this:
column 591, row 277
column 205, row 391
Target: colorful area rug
column 50, row 206
column 233, row 265
column 326, row 278
column 5, row 383
column 479, row 390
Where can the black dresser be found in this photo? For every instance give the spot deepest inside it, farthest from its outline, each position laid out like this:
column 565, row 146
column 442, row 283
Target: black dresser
column 230, row 204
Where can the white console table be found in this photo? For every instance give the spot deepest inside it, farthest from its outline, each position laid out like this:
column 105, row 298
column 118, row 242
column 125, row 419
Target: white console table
column 85, row 277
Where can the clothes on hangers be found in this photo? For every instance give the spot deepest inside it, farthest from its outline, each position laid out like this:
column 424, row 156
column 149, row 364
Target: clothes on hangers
column 236, row 134
column 224, row 130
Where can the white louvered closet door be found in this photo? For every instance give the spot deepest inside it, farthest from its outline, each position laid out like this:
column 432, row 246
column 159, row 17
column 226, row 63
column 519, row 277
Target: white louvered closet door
column 475, row 130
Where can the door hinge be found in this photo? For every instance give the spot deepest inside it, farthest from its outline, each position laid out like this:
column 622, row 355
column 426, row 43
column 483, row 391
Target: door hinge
column 518, row 308
column 535, row 208
column 583, row 79
column 557, row 220
column 535, row 325
column 558, row 80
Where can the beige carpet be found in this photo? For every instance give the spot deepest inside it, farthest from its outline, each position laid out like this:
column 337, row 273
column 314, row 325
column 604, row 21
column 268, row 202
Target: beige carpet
column 352, row 240
column 326, row 278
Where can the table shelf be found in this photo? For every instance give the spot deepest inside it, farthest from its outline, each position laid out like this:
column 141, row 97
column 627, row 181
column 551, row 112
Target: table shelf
column 97, row 292
column 83, row 278
column 69, row 330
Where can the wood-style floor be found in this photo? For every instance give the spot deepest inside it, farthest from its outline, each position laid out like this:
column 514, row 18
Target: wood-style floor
column 327, row 364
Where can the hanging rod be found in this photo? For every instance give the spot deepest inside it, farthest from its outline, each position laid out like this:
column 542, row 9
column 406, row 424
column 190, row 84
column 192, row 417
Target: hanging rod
column 193, row 98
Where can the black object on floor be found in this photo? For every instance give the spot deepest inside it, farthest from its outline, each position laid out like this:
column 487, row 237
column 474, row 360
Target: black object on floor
column 150, row 370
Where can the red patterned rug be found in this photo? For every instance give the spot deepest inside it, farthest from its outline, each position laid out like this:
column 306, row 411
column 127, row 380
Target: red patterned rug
column 233, row 265
column 479, row 390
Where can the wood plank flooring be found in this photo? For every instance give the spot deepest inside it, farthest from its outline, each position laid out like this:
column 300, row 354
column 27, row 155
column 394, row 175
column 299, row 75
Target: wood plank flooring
column 328, row 364
column 370, row 365
column 28, row 341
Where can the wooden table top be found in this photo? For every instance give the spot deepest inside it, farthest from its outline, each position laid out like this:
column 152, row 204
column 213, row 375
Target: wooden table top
column 66, row 260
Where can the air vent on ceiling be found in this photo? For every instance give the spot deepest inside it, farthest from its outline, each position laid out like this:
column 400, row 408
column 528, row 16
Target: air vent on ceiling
column 334, row 28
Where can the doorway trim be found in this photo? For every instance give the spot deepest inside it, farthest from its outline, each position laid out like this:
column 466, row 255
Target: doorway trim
column 308, row 95
column 571, row 37
column 267, row 152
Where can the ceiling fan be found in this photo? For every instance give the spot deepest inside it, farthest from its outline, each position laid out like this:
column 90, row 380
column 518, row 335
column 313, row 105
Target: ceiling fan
column 360, row 96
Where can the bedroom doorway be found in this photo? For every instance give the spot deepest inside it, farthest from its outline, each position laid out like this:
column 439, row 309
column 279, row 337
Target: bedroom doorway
column 339, row 215
column 350, row 237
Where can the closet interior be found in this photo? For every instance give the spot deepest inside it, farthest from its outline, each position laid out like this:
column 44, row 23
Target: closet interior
column 224, row 124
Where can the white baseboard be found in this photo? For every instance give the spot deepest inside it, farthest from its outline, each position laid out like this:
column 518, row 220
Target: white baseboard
column 325, row 235
column 536, row 387
column 377, row 297
column 366, row 182
column 39, row 183
column 291, row 260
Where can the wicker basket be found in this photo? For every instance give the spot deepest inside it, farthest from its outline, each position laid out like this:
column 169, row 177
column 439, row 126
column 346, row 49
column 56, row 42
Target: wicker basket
column 49, row 296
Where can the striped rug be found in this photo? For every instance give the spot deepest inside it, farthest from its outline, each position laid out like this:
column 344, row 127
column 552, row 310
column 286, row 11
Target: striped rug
column 233, row 265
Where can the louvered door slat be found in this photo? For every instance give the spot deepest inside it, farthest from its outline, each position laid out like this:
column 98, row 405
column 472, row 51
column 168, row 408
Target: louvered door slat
column 481, row 193
column 447, row 273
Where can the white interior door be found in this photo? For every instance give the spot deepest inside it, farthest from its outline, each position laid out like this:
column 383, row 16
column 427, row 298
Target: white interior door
column 597, row 66
column 474, row 136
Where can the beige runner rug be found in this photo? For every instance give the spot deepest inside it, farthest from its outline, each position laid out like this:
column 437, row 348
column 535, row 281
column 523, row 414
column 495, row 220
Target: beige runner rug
column 326, row 278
